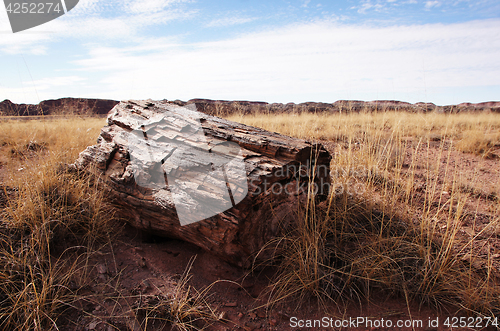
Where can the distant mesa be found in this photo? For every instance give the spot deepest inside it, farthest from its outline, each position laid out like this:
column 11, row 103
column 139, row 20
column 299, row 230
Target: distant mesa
column 222, row 107
column 88, row 107
column 64, row 106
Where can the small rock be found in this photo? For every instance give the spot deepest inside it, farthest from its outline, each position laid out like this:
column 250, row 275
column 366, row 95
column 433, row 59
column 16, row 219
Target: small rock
column 231, row 304
column 102, row 269
column 252, row 315
column 93, row 325
column 240, row 315
column 273, row 322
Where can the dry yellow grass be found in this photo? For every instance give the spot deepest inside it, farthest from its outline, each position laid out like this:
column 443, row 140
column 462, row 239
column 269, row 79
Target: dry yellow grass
column 473, row 131
column 54, row 219
column 64, row 137
column 372, row 234
column 48, row 209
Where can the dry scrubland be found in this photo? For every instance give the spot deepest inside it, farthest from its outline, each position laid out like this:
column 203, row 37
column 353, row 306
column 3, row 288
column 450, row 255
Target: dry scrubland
column 393, row 223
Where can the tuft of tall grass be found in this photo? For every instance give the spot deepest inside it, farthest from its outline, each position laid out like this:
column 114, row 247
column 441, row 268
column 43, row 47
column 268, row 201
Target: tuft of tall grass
column 52, row 219
column 185, row 309
column 381, row 231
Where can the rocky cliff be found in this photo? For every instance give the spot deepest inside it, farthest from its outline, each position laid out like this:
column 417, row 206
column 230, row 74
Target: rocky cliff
column 64, row 106
column 219, row 107
column 81, row 106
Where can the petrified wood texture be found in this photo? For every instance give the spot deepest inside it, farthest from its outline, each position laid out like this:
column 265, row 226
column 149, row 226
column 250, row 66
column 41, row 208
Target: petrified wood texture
column 224, row 186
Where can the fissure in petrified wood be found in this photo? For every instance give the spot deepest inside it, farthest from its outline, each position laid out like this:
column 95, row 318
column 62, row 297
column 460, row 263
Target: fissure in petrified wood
column 154, row 157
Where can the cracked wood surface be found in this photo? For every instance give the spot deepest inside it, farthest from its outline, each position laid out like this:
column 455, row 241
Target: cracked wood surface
column 135, row 151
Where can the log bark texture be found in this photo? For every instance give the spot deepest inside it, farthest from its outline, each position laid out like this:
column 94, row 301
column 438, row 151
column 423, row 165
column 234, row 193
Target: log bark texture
column 223, row 186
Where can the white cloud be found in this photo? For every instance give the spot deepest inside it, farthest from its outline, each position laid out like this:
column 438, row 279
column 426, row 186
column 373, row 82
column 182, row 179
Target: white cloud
column 26, row 43
column 150, row 6
column 29, row 42
column 121, row 18
column 111, row 19
column 321, row 61
column 230, row 21
column 87, row 7
column 367, row 5
column 43, row 89
column 430, row 4
column 46, row 83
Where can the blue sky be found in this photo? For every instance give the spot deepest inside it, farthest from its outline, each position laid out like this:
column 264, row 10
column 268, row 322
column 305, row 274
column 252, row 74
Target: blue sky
column 441, row 51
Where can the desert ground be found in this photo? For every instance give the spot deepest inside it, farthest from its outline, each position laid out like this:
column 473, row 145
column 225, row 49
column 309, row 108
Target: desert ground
column 409, row 232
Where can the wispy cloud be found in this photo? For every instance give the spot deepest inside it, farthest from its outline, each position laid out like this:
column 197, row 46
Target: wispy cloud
column 49, row 82
column 368, row 5
column 123, row 18
column 109, row 52
column 42, row 89
column 305, row 3
column 320, row 61
column 430, row 4
column 120, row 20
column 150, row 6
column 230, row 21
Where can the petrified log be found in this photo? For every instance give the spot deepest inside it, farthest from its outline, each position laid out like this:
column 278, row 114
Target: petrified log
column 224, row 186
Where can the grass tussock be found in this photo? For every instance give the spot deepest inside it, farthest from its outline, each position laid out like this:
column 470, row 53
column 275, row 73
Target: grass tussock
column 185, row 309
column 388, row 227
column 350, row 251
column 53, row 218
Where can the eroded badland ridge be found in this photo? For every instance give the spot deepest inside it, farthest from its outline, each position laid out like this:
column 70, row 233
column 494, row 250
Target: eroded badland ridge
column 83, row 106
